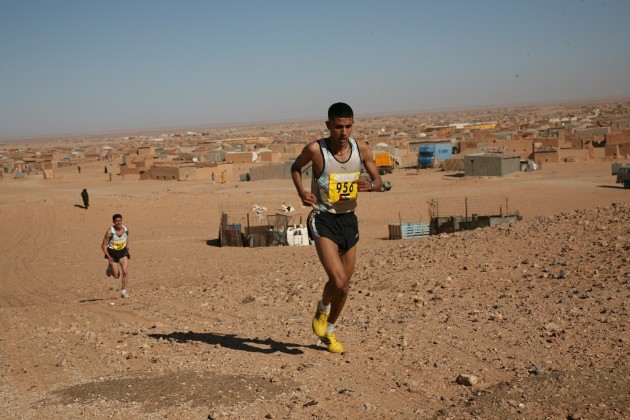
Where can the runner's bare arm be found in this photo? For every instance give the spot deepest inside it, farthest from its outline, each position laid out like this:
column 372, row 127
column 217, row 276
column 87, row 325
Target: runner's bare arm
column 306, row 156
column 104, row 245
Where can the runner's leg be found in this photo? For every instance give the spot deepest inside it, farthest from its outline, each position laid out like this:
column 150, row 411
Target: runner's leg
column 124, row 262
column 114, row 269
column 339, row 267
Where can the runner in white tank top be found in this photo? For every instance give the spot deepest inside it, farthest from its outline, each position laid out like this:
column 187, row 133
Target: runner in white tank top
column 336, row 187
column 336, row 167
column 115, row 246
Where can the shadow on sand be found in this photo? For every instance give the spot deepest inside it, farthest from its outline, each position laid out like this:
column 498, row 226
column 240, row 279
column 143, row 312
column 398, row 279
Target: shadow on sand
column 80, row 206
column 213, row 242
column 232, row 341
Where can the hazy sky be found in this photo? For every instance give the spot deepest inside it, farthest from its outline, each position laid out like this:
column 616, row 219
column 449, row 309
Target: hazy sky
column 89, row 66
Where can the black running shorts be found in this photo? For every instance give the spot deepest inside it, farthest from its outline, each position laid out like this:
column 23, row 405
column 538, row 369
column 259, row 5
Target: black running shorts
column 341, row 228
column 117, row 255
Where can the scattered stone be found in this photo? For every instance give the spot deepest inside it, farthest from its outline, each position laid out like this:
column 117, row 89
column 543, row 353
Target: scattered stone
column 496, row 317
column 467, row 380
column 553, row 327
column 248, row 299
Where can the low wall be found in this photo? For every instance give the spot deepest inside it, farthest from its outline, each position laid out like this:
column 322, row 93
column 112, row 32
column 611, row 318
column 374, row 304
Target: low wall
column 572, row 155
column 271, row 171
column 486, row 165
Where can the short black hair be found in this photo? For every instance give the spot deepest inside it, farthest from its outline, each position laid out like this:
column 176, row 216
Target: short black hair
column 340, row 110
column 116, row 216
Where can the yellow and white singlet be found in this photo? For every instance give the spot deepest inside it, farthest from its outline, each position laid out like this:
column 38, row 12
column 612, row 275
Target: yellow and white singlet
column 335, row 188
column 118, row 242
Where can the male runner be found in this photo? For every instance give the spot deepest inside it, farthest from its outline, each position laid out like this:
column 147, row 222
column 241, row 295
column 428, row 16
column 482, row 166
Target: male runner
column 116, row 248
column 336, row 167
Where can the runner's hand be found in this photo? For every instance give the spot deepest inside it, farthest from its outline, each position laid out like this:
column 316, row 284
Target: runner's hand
column 308, row 198
column 364, row 185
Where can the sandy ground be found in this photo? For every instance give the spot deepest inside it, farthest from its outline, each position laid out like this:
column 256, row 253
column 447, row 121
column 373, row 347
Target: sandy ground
column 535, row 313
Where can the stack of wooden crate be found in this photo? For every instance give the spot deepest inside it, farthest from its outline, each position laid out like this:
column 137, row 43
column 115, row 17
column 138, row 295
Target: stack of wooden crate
column 409, row 230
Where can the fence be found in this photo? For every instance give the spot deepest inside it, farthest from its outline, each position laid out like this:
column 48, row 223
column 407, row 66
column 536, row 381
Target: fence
column 467, row 213
column 255, row 227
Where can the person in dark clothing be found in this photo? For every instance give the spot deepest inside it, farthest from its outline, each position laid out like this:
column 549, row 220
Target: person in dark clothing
column 86, row 198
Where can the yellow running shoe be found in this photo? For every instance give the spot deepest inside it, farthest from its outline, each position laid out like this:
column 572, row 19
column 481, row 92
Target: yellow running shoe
column 334, row 346
column 320, row 321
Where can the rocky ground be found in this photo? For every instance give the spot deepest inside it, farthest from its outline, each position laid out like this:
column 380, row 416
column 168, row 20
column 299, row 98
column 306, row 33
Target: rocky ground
column 521, row 320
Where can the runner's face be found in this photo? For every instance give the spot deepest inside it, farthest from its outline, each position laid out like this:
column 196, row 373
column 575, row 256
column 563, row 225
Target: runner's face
column 340, row 128
column 118, row 222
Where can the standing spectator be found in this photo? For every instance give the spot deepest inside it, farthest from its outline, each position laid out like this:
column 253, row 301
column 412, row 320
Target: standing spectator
column 86, row 198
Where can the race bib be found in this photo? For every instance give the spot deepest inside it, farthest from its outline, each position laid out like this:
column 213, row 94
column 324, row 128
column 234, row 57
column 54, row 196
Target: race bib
column 119, row 245
column 342, row 187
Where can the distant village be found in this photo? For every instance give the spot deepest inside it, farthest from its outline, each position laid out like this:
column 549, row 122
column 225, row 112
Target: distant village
column 488, row 142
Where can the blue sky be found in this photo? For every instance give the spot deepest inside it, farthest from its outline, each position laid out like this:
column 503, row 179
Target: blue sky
column 86, row 66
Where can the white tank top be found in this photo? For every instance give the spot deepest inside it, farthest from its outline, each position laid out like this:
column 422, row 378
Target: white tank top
column 334, row 188
column 116, row 241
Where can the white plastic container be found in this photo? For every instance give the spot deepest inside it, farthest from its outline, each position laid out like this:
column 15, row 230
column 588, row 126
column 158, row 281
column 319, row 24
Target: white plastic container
column 297, row 235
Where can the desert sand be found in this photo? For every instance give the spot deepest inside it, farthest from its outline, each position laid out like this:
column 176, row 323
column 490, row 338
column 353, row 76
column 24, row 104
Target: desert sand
column 534, row 314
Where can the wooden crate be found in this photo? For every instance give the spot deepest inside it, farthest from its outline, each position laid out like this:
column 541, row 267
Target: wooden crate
column 409, row 230
column 230, row 237
column 259, row 236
